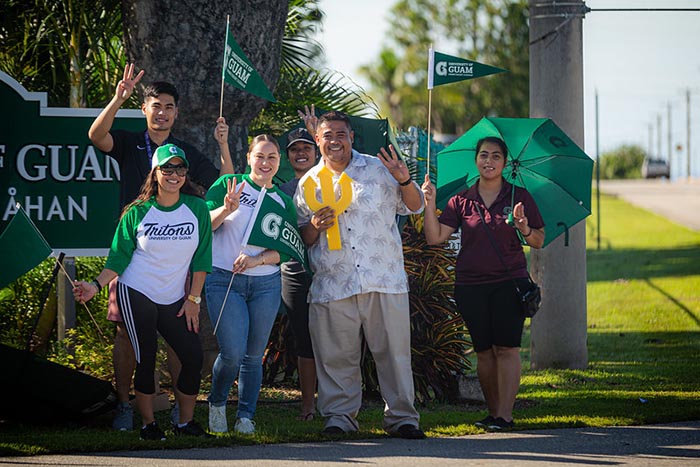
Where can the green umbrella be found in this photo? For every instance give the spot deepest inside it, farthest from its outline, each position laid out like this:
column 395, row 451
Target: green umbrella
column 541, row 158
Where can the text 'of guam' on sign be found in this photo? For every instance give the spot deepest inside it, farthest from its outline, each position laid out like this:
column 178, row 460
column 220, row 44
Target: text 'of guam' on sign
column 48, row 166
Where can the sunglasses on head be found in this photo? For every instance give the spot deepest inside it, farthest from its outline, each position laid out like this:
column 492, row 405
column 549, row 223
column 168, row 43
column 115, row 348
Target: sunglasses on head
column 168, row 169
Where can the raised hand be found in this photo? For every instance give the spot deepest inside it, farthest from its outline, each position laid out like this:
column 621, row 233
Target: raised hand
column 519, row 218
column 221, row 131
column 429, row 191
column 394, row 164
column 232, row 198
column 309, row 118
column 125, row 87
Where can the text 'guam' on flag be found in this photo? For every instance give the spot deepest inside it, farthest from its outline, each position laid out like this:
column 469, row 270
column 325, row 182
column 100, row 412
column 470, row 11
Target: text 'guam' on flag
column 238, row 71
column 273, row 227
column 445, row 69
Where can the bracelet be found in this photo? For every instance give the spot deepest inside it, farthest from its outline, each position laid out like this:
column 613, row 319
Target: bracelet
column 97, row 285
column 406, row 183
column 528, row 234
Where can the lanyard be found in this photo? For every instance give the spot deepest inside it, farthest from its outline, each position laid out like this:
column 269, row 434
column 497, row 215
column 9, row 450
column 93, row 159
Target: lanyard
column 148, row 145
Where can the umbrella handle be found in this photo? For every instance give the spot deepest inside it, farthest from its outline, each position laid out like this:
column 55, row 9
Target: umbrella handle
column 566, row 232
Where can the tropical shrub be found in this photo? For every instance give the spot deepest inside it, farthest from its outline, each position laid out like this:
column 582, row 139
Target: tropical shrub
column 439, row 339
column 28, row 320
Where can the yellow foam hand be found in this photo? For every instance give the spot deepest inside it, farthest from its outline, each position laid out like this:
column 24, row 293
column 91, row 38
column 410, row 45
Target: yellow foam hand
column 329, row 199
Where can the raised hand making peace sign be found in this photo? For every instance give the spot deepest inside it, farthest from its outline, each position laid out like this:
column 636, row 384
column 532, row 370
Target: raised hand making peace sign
column 125, row 87
column 232, row 198
column 309, row 118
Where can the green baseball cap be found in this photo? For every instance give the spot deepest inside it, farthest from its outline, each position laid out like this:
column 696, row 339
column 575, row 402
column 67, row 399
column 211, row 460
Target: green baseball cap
column 166, row 152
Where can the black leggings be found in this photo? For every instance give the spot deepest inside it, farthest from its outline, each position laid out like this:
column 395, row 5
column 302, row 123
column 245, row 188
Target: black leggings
column 295, row 289
column 144, row 319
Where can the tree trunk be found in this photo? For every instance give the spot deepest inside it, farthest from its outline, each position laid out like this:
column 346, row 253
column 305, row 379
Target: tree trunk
column 183, row 43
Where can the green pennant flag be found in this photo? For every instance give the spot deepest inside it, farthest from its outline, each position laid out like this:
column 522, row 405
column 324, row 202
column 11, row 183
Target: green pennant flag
column 271, row 227
column 446, row 69
column 22, row 247
column 239, row 72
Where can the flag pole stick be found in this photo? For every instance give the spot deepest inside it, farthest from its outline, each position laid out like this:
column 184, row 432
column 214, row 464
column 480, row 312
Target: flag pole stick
column 223, row 68
column 430, row 111
column 221, row 311
column 431, row 70
column 104, row 338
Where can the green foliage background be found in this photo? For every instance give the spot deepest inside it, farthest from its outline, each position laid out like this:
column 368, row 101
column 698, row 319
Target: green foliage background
column 623, row 162
column 494, row 32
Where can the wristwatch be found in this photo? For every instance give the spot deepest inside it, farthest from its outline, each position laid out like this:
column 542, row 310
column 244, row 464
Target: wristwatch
column 194, row 299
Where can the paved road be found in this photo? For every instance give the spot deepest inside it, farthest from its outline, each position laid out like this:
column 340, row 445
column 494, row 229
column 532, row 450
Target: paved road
column 668, row 445
column 678, row 201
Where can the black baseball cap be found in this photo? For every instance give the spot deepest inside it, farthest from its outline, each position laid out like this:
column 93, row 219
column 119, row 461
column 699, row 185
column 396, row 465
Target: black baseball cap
column 300, row 134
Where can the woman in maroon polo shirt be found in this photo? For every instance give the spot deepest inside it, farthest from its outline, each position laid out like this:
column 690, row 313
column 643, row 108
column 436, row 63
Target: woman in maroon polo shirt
column 484, row 292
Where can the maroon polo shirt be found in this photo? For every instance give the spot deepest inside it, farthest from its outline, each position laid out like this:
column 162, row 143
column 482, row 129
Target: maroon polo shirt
column 477, row 262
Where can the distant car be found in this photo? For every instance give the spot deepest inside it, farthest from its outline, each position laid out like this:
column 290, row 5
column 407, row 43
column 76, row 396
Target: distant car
column 655, row 168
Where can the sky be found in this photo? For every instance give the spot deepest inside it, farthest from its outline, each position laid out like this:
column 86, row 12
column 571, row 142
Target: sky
column 640, row 63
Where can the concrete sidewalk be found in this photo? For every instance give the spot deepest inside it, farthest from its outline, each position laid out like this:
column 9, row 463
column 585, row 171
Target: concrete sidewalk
column 667, row 445
column 677, row 201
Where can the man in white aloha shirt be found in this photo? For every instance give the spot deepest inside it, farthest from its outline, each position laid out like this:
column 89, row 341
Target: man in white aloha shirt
column 361, row 288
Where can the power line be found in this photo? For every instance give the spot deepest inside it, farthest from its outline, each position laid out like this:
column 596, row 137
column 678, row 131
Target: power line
column 642, row 9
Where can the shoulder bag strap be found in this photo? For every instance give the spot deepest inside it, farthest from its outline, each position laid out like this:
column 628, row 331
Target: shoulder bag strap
column 496, row 249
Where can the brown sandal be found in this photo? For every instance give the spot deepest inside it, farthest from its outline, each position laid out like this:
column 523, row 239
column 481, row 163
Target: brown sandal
column 306, row 417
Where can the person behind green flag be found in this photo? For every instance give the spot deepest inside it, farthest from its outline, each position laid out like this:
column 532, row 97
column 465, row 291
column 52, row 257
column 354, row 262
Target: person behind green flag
column 296, row 279
column 239, row 72
column 22, row 247
column 244, row 288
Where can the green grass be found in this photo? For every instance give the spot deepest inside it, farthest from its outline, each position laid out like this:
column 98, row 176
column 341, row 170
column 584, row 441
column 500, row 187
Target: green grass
column 643, row 341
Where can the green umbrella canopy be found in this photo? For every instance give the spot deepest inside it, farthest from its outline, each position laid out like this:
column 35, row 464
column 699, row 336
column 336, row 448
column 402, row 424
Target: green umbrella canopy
column 541, row 158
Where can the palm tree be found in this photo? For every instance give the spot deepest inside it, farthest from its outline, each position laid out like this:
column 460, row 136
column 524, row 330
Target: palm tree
column 303, row 81
column 68, row 48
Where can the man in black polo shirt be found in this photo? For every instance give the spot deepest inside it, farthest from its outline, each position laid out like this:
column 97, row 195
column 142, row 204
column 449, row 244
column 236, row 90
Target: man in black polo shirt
column 133, row 152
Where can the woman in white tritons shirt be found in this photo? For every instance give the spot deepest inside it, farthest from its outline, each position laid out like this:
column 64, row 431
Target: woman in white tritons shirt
column 243, row 290
column 162, row 235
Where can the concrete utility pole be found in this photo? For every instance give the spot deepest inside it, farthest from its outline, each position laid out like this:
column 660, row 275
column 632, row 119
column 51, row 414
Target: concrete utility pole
column 658, row 136
column 687, row 103
column 670, row 139
column 559, row 330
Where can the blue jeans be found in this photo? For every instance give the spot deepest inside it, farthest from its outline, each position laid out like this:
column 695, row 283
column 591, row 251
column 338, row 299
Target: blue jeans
column 242, row 334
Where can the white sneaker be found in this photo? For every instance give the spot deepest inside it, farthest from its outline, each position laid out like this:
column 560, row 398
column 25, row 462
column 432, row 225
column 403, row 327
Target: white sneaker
column 244, row 426
column 217, row 419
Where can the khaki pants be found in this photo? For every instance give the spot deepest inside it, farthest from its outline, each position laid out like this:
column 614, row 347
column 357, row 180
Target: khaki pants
column 336, row 333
